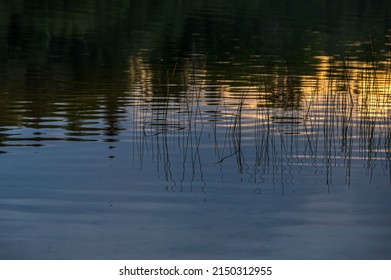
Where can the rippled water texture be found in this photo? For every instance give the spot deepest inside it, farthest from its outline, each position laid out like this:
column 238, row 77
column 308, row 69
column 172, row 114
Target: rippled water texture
column 195, row 130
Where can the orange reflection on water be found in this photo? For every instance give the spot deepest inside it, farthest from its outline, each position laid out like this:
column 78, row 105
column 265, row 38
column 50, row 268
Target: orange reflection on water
column 362, row 85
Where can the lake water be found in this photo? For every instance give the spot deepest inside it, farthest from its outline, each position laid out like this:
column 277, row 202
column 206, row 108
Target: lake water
column 195, row 130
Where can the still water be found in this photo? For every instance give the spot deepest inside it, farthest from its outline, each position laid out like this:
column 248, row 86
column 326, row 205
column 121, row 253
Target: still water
column 195, row 130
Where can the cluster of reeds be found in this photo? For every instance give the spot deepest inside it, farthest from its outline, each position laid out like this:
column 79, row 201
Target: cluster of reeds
column 275, row 133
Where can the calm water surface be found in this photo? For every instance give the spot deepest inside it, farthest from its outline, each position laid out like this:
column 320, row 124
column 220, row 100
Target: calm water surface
column 207, row 130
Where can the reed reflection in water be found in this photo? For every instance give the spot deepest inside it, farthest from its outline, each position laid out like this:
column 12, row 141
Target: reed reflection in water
column 278, row 132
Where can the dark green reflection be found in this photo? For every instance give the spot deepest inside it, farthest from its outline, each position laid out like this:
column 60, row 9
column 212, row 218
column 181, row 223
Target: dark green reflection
column 40, row 30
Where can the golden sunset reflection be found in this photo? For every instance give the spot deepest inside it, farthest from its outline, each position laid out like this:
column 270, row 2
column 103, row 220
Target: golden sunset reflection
column 140, row 76
column 350, row 88
column 342, row 85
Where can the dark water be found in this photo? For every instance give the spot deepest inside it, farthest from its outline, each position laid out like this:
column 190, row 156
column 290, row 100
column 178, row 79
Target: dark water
column 195, row 129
